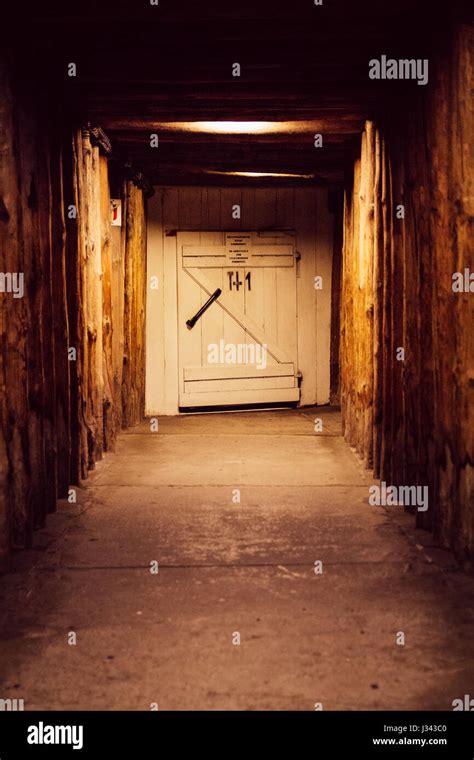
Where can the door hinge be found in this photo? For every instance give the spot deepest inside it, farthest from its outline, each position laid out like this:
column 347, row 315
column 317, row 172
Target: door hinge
column 297, row 258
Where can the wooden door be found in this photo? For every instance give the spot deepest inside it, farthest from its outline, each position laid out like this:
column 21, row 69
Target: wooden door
column 243, row 349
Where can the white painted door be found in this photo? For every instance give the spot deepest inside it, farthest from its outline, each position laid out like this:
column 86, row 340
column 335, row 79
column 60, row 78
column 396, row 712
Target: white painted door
column 243, row 348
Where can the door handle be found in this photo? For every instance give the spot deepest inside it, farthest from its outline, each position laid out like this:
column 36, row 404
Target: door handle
column 191, row 322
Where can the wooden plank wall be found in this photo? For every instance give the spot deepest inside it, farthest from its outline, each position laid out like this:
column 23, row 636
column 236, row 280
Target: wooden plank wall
column 15, row 488
column 412, row 420
column 133, row 374
column 59, row 413
column 108, row 283
column 210, row 208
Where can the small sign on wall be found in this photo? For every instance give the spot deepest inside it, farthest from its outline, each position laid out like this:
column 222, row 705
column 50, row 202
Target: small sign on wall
column 115, row 212
column 238, row 247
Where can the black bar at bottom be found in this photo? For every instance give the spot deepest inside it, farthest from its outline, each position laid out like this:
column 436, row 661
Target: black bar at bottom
column 145, row 734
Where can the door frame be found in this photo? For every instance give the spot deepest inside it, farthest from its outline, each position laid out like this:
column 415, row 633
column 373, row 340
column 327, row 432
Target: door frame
column 304, row 210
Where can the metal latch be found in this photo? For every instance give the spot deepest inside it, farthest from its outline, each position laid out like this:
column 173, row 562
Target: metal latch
column 191, row 322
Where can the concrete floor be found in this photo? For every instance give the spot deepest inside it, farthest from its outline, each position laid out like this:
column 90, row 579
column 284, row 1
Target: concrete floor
column 224, row 567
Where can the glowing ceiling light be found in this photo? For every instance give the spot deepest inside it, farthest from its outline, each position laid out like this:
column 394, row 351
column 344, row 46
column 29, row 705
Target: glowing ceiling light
column 262, row 174
column 236, row 127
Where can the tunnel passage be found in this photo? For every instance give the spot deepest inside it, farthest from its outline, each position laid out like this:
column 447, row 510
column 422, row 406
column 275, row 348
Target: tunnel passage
column 271, row 121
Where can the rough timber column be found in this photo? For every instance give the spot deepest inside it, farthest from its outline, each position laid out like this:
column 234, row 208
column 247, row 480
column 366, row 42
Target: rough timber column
column 407, row 346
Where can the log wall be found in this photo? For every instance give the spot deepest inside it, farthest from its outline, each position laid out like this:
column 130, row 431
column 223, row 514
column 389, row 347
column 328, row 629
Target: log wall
column 407, row 229
column 133, row 371
column 72, row 360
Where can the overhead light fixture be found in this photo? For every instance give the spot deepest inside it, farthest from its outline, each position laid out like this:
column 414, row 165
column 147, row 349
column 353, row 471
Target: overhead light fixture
column 234, row 127
column 261, row 174
column 237, row 127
